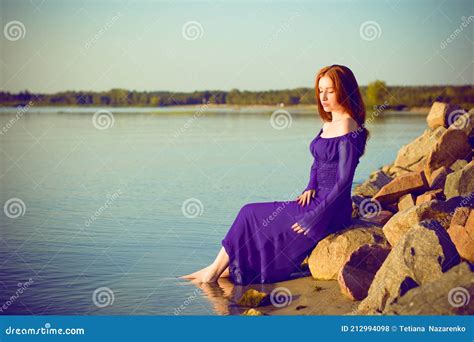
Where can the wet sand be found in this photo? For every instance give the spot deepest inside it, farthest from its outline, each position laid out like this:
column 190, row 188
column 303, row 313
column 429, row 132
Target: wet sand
column 302, row 296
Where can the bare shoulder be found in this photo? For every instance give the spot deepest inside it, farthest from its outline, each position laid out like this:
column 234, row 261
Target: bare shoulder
column 348, row 125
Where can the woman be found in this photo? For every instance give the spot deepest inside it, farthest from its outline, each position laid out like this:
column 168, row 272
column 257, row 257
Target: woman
column 268, row 241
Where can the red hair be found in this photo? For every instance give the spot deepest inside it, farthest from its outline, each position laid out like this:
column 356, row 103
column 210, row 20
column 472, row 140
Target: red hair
column 347, row 94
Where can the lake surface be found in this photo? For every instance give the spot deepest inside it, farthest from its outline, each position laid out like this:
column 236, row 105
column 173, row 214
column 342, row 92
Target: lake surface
column 103, row 221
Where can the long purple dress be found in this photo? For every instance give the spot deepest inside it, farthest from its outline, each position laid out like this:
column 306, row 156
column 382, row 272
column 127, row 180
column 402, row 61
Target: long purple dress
column 261, row 245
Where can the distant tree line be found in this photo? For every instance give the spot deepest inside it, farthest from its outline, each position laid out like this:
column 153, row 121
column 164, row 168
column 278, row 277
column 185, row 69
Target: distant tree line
column 375, row 94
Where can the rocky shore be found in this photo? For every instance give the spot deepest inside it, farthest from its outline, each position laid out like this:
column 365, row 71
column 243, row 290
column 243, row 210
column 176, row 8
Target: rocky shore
column 410, row 249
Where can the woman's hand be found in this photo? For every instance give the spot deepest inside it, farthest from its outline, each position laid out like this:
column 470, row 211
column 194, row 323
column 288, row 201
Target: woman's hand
column 298, row 229
column 305, row 197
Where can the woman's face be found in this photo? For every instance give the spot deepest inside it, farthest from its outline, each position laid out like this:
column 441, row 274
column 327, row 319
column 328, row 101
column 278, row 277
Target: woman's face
column 327, row 94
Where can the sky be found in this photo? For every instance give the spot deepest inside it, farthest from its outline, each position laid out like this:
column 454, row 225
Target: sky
column 50, row 46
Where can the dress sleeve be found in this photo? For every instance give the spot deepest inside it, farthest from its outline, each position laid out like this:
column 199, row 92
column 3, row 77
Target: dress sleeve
column 348, row 156
column 312, row 178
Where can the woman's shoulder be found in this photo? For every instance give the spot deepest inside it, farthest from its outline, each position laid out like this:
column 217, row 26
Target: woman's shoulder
column 348, row 125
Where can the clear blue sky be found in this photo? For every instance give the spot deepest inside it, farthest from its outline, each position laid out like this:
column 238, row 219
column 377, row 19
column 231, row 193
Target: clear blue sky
column 253, row 45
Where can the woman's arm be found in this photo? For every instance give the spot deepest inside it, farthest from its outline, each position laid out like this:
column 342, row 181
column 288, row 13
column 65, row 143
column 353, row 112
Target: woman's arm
column 312, row 178
column 348, row 159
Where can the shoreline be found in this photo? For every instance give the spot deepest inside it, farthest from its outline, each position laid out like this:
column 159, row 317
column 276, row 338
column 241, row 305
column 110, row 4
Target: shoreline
column 197, row 109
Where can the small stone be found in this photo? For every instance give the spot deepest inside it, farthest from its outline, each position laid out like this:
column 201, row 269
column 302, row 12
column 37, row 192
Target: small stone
column 252, row 298
column 252, row 312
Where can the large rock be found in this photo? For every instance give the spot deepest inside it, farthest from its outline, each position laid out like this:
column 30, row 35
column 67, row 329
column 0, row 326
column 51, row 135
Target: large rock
column 448, row 295
column 422, row 255
column 371, row 186
column 441, row 115
column 437, row 178
column 463, row 121
column 413, row 153
column 412, row 182
column 429, row 196
column 461, row 215
column 462, row 235
column 330, row 254
column 442, row 211
column 406, row 202
column 359, row 270
column 458, row 165
column 451, row 146
column 460, row 183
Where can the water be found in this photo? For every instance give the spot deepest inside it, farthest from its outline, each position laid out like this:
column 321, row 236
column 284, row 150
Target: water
column 103, row 209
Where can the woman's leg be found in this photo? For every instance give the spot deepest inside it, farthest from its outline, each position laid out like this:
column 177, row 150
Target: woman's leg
column 216, row 268
column 219, row 268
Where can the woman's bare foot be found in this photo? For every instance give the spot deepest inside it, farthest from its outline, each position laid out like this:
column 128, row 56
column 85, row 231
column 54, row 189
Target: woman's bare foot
column 201, row 272
column 208, row 276
column 196, row 274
